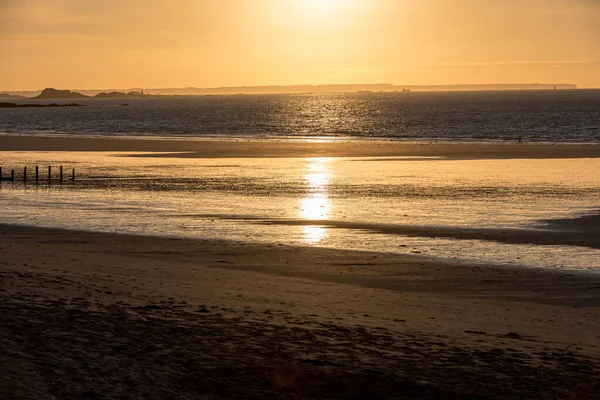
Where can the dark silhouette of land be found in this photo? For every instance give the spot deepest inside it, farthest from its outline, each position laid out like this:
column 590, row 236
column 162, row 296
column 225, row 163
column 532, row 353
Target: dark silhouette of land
column 11, row 96
column 51, row 93
column 117, row 95
column 380, row 87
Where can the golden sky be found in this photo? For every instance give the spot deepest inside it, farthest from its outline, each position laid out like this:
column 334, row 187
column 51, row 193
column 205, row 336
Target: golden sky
column 96, row 44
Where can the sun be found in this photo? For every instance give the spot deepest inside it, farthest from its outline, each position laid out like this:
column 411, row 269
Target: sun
column 317, row 17
column 326, row 5
column 322, row 6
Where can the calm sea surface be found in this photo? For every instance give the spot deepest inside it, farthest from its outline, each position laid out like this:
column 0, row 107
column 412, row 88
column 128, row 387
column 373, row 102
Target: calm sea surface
column 537, row 116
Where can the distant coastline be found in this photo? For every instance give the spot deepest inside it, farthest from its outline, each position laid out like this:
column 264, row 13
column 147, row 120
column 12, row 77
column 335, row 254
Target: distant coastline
column 8, row 96
column 51, row 93
column 56, row 94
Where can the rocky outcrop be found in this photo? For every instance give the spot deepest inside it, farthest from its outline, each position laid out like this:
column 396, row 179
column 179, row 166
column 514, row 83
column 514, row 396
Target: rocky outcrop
column 117, row 95
column 51, row 93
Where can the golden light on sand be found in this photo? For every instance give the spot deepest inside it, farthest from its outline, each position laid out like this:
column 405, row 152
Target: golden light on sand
column 314, row 234
column 318, row 174
column 316, row 205
column 315, row 208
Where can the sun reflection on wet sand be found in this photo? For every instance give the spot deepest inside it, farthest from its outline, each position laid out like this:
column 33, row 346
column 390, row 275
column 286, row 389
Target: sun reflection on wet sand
column 316, row 206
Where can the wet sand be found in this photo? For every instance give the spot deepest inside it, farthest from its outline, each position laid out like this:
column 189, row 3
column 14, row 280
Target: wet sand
column 107, row 316
column 91, row 315
column 581, row 232
column 283, row 149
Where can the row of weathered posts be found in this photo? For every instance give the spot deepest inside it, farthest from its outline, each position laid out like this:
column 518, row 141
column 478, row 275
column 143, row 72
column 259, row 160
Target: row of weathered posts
column 37, row 175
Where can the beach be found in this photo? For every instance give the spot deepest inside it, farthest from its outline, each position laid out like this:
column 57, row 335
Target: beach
column 245, row 148
column 90, row 315
column 300, row 199
column 198, row 313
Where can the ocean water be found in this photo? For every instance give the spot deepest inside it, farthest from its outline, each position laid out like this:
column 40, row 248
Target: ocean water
column 537, row 116
column 316, row 201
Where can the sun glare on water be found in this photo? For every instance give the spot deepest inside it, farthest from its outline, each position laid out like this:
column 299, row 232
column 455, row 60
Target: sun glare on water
column 316, row 206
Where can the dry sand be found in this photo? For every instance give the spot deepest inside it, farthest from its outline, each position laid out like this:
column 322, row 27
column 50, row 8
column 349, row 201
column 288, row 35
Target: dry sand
column 90, row 315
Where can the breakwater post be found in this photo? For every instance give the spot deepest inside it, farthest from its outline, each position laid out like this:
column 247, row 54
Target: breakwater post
column 26, row 178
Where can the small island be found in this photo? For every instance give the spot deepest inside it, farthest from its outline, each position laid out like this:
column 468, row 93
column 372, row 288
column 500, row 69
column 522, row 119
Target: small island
column 51, row 93
column 118, row 95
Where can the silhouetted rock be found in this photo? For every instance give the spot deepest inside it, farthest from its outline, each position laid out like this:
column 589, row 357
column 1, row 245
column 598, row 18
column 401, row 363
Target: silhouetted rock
column 51, row 93
column 117, row 95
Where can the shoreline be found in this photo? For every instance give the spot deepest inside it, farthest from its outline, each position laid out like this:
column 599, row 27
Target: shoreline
column 282, row 320
column 386, row 272
column 252, row 148
column 580, row 232
column 266, row 138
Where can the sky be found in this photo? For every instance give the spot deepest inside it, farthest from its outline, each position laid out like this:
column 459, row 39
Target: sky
column 97, row 44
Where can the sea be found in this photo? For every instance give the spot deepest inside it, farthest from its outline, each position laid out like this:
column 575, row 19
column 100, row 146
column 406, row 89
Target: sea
column 323, row 201
column 537, row 116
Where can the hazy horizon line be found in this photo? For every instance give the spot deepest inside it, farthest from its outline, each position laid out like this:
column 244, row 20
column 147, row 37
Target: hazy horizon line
column 322, row 85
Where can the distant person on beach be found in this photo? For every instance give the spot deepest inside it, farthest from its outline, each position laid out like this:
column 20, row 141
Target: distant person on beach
column 520, row 140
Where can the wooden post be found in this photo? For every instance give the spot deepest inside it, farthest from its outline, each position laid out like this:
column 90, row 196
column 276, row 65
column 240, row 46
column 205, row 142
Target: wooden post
column 61, row 174
column 37, row 174
column 73, row 177
column 49, row 173
column 12, row 175
column 24, row 174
